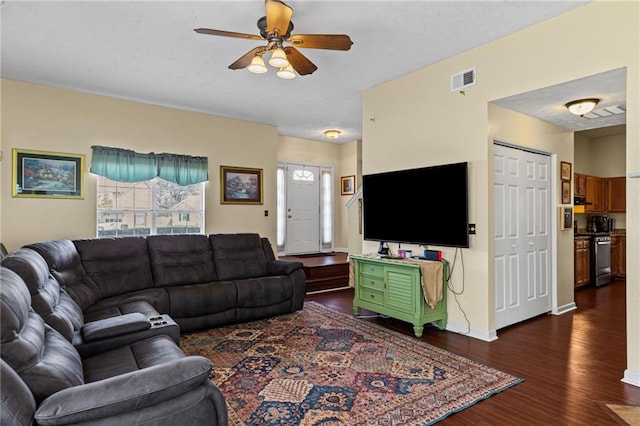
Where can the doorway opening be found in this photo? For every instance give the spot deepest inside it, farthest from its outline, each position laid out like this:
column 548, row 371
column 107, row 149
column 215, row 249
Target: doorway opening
column 304, row 208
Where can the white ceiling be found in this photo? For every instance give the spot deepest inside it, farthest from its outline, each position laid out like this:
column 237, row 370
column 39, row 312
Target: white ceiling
column 147, row 51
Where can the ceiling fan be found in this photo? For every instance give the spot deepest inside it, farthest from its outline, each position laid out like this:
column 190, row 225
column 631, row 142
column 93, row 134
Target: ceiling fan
column 276, row 29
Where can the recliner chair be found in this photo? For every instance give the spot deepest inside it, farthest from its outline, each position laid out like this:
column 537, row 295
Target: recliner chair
column 46, row 381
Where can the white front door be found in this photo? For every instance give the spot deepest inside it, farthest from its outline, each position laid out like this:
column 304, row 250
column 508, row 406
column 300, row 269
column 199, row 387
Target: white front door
column 303, row 209
column 522, row 250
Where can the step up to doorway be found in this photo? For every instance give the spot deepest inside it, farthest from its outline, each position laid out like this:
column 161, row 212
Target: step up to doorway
column 324, row 271
column 326, row 277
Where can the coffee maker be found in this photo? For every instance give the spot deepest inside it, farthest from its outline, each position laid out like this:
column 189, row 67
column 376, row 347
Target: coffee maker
column 600, row 224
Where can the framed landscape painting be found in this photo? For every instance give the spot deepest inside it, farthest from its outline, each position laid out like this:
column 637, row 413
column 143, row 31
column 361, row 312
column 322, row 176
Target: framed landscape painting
column 44, row 174
column 565, row 170
column 240, row 185
column 348, row 185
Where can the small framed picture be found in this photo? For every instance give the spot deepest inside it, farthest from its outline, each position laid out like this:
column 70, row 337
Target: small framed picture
column 566, row 192
column 44, row 174
column 565, row 170
column 348, row 185
column 240, row 185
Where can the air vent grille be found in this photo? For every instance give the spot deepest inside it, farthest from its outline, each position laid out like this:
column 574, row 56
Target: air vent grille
column 605, row 112
column 463, row 79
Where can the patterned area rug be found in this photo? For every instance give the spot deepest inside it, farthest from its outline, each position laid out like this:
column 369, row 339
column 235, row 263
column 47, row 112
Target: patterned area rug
column 321, row 367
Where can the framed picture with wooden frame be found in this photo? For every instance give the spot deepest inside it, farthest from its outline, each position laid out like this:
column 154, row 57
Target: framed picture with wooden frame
column 348, row 185
column 565, row 170
column 240, row 185
column 46, row 174
column 566, row 192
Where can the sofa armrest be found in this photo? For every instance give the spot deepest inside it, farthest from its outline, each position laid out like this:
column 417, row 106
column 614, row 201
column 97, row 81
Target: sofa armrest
column 114, row 326
column 283, row 267
column 124, row 393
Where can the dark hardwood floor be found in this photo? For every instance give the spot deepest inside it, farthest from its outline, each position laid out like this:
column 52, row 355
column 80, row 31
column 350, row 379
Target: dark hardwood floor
column 571, row 363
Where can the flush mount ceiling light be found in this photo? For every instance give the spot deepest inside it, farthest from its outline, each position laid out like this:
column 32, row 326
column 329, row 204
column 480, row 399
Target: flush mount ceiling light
column 332, row 134
column 582, row 106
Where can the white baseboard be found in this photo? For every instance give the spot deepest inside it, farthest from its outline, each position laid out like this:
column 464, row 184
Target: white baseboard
column 487, row 336
column 328, row 290
column 631, row 378
column 564, row 309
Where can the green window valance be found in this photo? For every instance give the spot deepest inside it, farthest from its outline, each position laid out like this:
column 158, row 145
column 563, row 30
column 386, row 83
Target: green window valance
column 125, row 165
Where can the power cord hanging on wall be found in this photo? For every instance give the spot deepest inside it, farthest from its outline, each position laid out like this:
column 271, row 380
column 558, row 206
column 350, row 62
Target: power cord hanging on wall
column 453, row 290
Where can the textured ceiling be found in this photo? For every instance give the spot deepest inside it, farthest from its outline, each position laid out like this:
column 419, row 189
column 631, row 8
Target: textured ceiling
column 548, row 103
column 147, row 51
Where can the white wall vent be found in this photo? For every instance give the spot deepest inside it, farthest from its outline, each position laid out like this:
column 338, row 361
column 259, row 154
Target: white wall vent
column 463, row 79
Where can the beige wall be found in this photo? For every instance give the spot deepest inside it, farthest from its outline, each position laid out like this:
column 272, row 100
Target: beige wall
column 419, row 122
column 603, row 156
column 49, row 119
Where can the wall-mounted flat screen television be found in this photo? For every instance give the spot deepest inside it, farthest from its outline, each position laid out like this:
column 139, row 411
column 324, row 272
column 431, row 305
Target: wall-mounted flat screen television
column 427, row 205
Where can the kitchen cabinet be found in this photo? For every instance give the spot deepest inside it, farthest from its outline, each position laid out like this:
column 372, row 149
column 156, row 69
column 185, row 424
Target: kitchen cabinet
column 595, row 188
column 616, row 194
column 618, row 256
column 580, row 185
column 581, row 262
column 394, row 288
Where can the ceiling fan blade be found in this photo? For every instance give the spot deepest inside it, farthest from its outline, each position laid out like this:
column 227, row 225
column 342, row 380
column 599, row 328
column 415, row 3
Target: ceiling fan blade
column 245, row 60
column 278, row 16
column 322, row 41
column 299, row 62
column 227, row 33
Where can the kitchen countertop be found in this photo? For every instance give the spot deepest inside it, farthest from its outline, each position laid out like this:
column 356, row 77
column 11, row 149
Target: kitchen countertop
column 584, row 234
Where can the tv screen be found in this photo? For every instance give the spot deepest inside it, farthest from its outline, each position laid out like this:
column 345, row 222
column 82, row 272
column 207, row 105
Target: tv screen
column 418, row 206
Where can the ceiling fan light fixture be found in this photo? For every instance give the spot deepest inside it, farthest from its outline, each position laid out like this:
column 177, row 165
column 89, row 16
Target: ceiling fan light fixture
column 278, row 58
column 257, row 65
column 582, row 106
column 287, row 72
column 332, row 134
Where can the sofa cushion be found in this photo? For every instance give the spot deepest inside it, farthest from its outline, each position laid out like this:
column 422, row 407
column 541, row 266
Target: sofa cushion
column 238, row 256
column 65, row 265
column 264, row 291
column 48, row 299
column 202, row 299
column 116, row 265
column 181, row 259
column 41, row 356
column 149, row 302
column 136, row 356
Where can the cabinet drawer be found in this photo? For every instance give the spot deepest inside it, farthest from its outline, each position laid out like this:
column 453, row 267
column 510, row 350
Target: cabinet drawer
column 367, row 295
column 372, row 282
column 372, row 269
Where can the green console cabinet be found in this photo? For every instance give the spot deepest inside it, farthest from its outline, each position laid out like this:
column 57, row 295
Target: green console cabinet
column 394, row 288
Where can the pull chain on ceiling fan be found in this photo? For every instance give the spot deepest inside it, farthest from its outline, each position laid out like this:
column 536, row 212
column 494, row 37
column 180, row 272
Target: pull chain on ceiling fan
column 276, row 29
